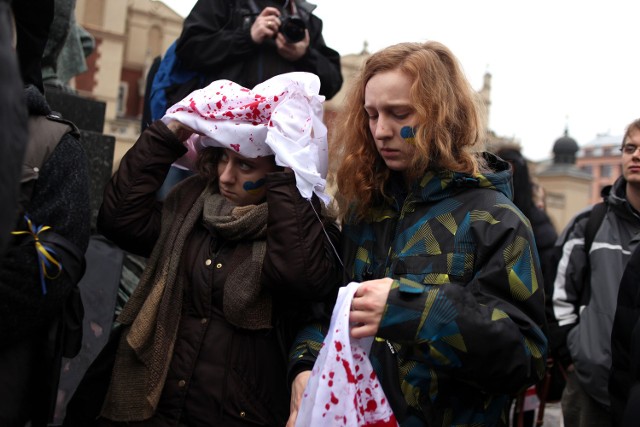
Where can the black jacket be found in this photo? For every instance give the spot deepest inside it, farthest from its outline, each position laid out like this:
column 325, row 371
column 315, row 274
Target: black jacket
column 546, row 236
column 624, row 381
column 216, row 40
column 13, row 128
column 59, row 199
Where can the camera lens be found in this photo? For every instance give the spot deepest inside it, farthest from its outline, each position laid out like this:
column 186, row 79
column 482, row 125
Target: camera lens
column 293, row 28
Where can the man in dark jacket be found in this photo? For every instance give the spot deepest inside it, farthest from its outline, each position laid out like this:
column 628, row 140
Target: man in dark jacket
column 250, row 41
column 585, row 292
column 624, row 380
column 44, row 259
column 13, row 126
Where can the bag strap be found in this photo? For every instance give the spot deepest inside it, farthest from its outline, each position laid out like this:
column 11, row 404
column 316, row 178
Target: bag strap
column 593, row 223
column 596, row 216
column 45, row 132
column 546, row 382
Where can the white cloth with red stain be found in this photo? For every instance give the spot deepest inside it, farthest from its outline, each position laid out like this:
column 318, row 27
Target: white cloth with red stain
column 343, row 389
column 281, row 116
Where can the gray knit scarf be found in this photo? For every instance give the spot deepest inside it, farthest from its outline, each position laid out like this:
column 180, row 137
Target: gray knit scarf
column 245, row 303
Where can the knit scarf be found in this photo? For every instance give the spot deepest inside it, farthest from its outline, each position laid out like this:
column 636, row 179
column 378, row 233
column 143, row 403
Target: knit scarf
column 152, row 314
column 245, row 303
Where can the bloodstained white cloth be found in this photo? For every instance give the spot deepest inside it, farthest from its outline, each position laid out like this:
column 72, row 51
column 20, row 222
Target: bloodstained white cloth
column 281, row 116
column 343, row 389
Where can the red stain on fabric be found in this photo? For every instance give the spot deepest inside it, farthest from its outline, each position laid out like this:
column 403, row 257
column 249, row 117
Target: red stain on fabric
column 334, row 399
column 347, row 368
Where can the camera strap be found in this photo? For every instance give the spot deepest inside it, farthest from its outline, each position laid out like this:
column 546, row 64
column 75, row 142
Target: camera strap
column 292, row 7
column 253, row 7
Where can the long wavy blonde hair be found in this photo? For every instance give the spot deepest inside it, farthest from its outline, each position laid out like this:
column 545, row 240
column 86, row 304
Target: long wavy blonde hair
column 449, row 125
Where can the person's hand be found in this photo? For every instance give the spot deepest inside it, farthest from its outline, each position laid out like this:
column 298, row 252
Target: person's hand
column 292, row 51
column 181, row 131
column 368, row 306
column 266, row 25
column 297, row 388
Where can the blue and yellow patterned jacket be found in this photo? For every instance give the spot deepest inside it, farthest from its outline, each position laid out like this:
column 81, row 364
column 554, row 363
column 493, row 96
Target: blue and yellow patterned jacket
column 463, row 327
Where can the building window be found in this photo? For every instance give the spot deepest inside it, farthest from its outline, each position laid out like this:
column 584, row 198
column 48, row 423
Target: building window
column 121, row 103
column 605, row 171
column 606, row 151
column 588, row 152
column 588, row 169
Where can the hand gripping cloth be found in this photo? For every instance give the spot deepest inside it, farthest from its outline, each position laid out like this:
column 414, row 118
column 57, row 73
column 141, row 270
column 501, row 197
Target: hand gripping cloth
column 281, row 116
column 343, row 389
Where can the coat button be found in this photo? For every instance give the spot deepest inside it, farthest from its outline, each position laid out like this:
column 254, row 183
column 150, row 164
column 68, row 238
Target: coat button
column 181, row 383
column 204, row 320
column 218, row 265
column 207, row 262
column 243, row 414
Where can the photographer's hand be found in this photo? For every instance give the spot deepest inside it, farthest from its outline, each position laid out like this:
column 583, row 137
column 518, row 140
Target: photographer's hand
column 292, row 51
column 266, row 25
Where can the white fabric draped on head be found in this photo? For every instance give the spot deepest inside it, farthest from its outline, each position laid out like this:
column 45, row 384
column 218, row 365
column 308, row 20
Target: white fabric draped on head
column 281, row 116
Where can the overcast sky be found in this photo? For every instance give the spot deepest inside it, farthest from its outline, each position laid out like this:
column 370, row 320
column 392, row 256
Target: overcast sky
column 554, row 63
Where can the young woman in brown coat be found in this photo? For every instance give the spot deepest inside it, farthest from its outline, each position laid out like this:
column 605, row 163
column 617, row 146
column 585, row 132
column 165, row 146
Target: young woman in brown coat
column 238, row 260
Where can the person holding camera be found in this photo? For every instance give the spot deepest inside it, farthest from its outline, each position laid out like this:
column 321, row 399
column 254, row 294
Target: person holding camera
column 250, row 41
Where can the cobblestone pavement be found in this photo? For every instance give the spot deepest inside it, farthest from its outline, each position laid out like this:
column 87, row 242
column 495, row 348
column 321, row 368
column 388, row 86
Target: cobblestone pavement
column 553, row 415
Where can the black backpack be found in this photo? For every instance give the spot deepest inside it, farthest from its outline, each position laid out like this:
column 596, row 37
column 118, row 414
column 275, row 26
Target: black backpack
column 552, row 385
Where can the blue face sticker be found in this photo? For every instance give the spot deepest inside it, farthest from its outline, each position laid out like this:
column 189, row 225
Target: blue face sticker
column 408, row 134
column 254, row 187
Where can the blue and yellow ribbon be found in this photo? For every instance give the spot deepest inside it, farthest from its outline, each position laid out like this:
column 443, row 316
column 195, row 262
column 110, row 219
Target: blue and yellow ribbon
column 46, row 259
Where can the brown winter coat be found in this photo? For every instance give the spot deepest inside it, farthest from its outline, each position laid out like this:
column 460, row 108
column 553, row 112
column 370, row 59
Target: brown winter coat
column 217, row 374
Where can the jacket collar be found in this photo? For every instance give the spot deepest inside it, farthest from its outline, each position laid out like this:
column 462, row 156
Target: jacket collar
column 443, row 184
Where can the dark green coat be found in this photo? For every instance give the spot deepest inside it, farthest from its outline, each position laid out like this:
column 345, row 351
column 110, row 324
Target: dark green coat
column 463, row 326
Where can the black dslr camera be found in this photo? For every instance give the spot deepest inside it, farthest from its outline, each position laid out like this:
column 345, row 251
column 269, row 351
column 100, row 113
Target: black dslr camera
column 292, row 26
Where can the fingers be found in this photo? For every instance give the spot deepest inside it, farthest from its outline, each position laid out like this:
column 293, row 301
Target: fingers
column 364, row 330
column 292, row 51
column 368, row 307
column 266, row 25
column 291, row 422
column 181, row 131
column 271, row 23
column 297, row 388
column 270, row 19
